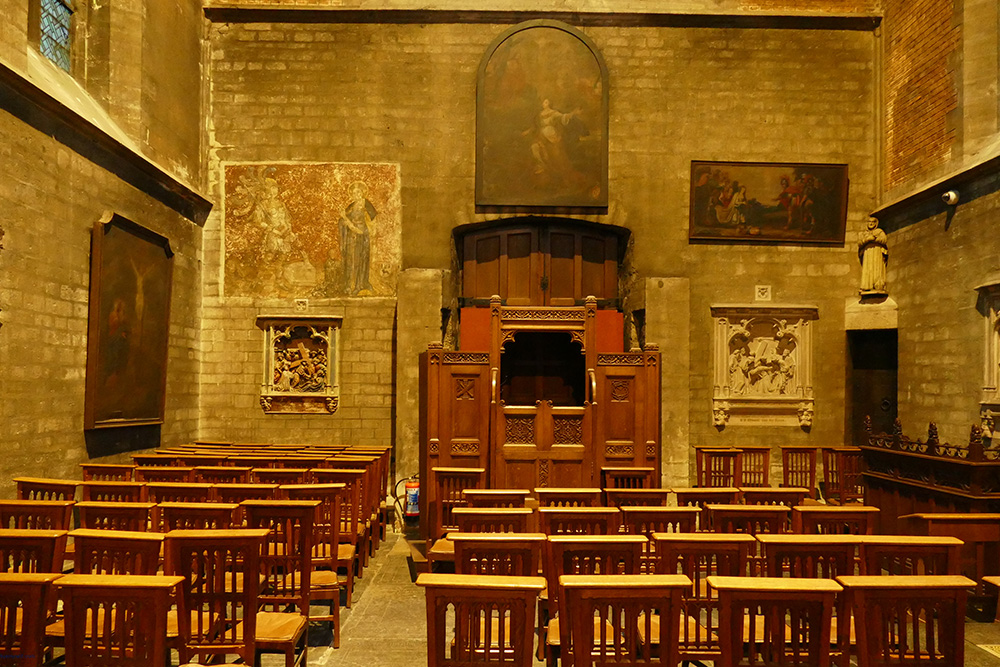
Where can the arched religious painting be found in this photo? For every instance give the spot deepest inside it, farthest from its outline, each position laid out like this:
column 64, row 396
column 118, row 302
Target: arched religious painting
column 542, row 119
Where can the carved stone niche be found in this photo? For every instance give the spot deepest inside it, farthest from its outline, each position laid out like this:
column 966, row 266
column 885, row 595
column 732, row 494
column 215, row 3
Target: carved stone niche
column 762, row 361
column 301, row 359
column 989, row 404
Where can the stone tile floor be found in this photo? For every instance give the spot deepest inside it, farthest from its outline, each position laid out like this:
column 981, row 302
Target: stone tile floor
column 386, row 625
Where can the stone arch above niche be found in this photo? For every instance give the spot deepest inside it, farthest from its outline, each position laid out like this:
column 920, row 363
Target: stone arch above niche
column 762, row 360
column 542, row 119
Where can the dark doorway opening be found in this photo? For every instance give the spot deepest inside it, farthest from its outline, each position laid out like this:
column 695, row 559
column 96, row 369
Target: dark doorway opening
column 538, row 366
column 872, row 382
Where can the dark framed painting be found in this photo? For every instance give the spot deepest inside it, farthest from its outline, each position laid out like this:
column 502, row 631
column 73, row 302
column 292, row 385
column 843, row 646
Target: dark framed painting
column 767, row 202
column 542, row 119
column 131, row 269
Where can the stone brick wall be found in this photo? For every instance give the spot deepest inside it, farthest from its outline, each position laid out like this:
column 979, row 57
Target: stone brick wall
column 406, row 93
column 922, row 44
column 51, row 199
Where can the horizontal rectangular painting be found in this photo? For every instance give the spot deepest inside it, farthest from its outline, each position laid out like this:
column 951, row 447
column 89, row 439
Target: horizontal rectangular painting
column 764, row 202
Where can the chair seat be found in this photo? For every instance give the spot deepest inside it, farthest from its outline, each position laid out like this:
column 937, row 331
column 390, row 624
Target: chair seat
column 552, row 634
column 278, row 627
column 324, row 579
column 442, row 549
column 693, row 629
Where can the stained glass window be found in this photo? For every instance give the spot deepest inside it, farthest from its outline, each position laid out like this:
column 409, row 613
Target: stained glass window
column 54, row 34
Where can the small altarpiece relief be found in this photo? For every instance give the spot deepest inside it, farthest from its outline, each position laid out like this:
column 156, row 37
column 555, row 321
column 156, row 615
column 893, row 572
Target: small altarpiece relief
column 989, row 306
column 300, row 365
column 762, row 360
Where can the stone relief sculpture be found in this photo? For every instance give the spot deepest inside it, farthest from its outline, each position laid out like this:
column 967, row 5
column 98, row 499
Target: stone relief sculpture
column 763, row 365
column 989, row 404
column 300, row 371
column 873, row 251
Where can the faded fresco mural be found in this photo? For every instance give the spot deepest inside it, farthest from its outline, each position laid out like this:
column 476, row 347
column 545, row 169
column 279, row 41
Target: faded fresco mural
column 312, row 229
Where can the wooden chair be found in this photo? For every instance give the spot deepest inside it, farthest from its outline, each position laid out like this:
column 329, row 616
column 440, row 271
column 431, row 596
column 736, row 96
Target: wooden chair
column 32, row 551
column 154, row 460
column 835, row 519
column 798, row 467
column 718, row 467
column 117, row 516
column 252, row 461
column 582, row 554
column 843, row 481
column 909, row 620
column 576, row 497
column 787, row 621
column 237, row 493
column 789, row 496
column 649, row 520
column 817, row 557
column 750, row 520
column 637, row 497
column 197, row 516
column 910, row 555
column 107, row 472
column 37, row 488
column 23, row 611
column 222, row 474
column 701, row 497
column 159, row 474
column 116, row 552
column 500, row 554
column 113, row 492
column 493, row 619
column 447, row 493
column 286, row 567
column 755, row 466
column 217, row 615
column 699, row 556
column 371, row 493
column 615, row 477
column 174, row 492
column 579, row 520
column 495, row 497
column 605, row 618
column 353, row 530
column 36, row 514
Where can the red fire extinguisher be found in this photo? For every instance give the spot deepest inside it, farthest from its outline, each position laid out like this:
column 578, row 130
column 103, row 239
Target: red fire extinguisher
column 412, row 499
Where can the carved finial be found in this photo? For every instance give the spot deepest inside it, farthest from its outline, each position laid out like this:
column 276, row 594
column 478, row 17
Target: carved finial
column 976, row 436
column 932, row 434
column 868, row 424
column 897, row 427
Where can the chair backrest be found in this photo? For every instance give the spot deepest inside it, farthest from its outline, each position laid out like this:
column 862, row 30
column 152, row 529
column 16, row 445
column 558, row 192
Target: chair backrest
column 116, row 552
column 149, row 460
column 842, row 478
column 835, row 519
column 237, row 493
column 798, row 467
column 134, row 609
column 718, row 467
column 446, row 489
column 493, row 519
column 227, row 600
column 495, row 497
column 22, row 617
column 286, row 560
column 107, row 472
column 222, row 474
column 700, row 556
column 328, row 526
column 493, row 619
column 610, row 619
column 788, row 618
column 174, row 492
column 636, row 497
column 36, row 514
column 507, row 554
column 789, row 496
column 164, row 474
column 590, row 554
column 113, row 492
column 197, row 516
column 579, row 520
column 910, row 555
column 809, row 556
column 280, row 475
column 350, row 498
column 32, row 551
column 755, row 466
column 627, row 477
column 117, row 516
column 569, row 497
column 916, row 620
column 702, row 497
column 37, row 488
column 649, row 520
